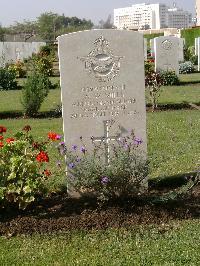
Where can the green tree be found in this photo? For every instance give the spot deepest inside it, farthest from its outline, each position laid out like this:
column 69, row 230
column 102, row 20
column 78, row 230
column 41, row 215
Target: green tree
column 2, row 31
column 106, row 24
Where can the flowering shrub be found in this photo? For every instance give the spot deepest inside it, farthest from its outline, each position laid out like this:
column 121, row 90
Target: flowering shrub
column 23, row 167
column 153, row 83
column 18, row 68
column 121, row 175
column 149, row 67
column 186, row 67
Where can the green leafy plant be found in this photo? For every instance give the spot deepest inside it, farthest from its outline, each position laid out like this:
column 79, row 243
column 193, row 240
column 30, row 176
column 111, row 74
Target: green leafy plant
column 169, row 78
column 35, row 90
column 23, row 163
column 121, row 175
column 18, row 68
column 189, row 55
column 7, row 79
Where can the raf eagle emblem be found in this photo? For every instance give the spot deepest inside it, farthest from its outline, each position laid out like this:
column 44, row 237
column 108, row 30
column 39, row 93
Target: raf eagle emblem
column 101, row 62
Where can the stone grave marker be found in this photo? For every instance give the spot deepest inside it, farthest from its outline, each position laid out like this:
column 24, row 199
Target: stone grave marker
column 181, row 49
column 145, row 49
column 196, row 46
column 102, row 82
column 198, row 52
column 167, row 54
column 13, row 51
column 152, row 47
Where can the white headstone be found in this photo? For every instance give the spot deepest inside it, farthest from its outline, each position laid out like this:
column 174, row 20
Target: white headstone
column 198, row 52
column 196, row 46
column 152, row 47
column 13, row 51
column 145, row 49
column 103, row 91
column 167, row 54
column 181, row 49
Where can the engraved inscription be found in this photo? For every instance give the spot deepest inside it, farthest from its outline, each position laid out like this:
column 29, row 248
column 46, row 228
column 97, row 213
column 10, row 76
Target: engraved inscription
column 103, row 101
column 101, row 62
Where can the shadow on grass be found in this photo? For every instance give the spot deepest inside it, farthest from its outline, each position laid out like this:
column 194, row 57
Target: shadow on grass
column 186, row 83
column 170, row 182
column 57, row 114
column 40, row 115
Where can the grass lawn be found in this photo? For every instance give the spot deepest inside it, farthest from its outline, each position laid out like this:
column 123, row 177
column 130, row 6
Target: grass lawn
column 173, row 148
column 10, row 101
column 175, row 244
column 193, row 77
column 173, row 139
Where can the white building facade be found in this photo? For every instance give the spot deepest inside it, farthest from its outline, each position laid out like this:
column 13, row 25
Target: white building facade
column 151, row 16
column 198, row 12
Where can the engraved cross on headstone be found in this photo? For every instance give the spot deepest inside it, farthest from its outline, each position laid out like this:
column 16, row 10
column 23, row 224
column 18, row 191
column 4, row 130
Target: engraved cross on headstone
column 106, row 139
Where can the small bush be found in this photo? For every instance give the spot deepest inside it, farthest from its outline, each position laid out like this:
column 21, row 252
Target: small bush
column 42, row 62
column 7, row 79
column 35, row 90
column 18, row 68
column 186, row 67
column 189, row 55
column 122, row 175
column 153, row 83
column 169, row 78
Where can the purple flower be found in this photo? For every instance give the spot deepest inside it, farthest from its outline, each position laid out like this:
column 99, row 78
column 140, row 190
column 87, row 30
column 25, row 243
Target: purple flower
column 71, row 165
column 126, row 146
column 58, row 137
column 104, row 180
column 137, row 141
column 62, row 143
column 74, row 147
column 83, row 149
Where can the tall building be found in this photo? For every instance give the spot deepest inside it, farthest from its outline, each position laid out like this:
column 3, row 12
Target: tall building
column 151, row 16
column 198, row 12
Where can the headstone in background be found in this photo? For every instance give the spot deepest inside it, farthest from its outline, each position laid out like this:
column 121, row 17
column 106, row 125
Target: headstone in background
column 198, row 52
column 196, row 46
column 152, row 47
column 181, row 49
column 145, row 49
column 13, row 51
column 103, row 91
column 167, row 54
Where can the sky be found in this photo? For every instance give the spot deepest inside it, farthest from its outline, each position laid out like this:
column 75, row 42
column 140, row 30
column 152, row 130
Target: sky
column 19, row 10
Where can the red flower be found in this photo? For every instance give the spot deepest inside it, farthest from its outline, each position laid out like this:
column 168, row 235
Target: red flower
column 3, row 129
column 1, row 144
column 1, row 137
column 47, row 172
column 10, row 140
column 53, row 136
column 42, row 157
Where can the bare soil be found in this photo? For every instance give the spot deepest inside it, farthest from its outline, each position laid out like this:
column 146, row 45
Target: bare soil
column 59, row 213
